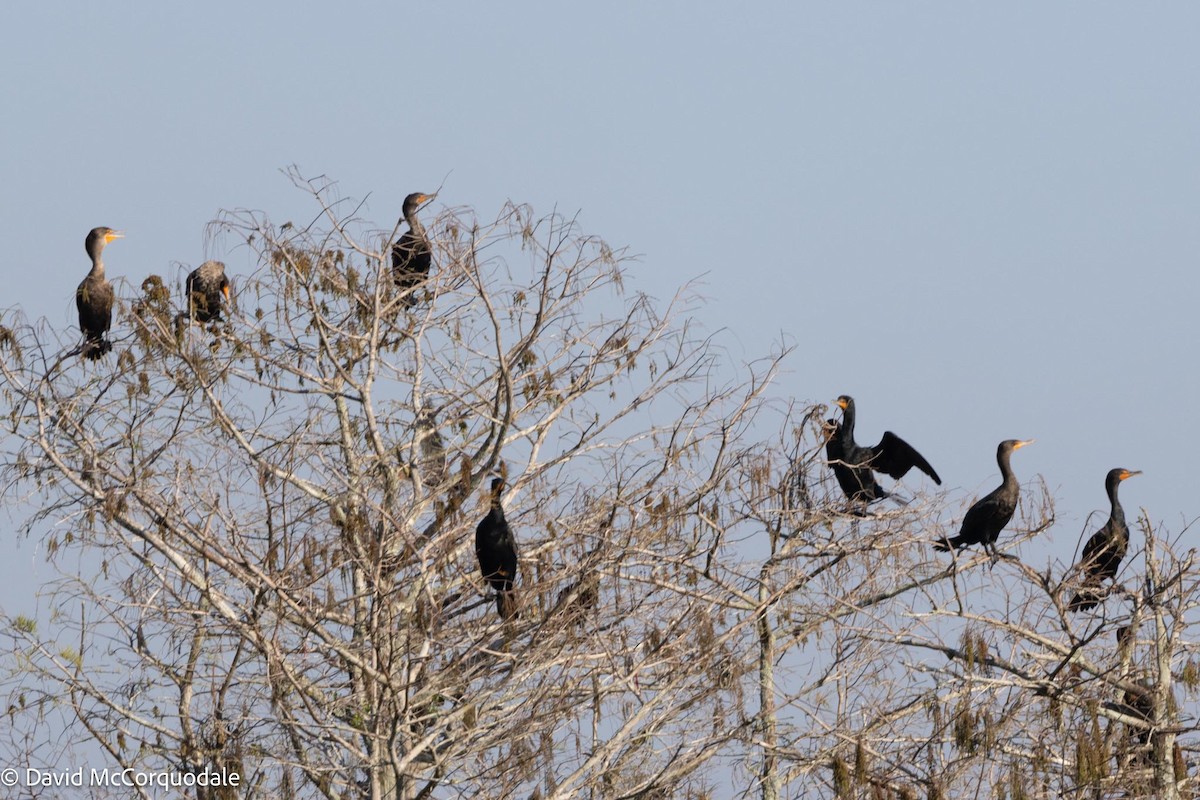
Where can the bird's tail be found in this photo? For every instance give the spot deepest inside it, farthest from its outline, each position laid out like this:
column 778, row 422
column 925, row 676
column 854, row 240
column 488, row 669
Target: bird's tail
column 945, row 545
column 1087, row 597
column 507, row 605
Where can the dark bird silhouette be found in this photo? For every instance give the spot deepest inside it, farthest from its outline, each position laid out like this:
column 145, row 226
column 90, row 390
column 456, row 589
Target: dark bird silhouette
column 206, row 289
column 985, row 519
column 1139, row 704
column 411, row 254
column 1103, row 552
column 853, row 465
column 94, row 297
column 497, row 553
column 1139, row 701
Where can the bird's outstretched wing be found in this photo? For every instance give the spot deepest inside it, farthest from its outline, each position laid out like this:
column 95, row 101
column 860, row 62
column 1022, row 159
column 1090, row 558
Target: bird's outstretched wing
column 893, row 456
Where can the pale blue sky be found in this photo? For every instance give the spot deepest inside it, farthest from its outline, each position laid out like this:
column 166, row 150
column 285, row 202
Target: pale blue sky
column 980, row 220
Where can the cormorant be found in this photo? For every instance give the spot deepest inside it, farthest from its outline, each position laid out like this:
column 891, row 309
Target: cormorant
column 852, row 464
column 985, row 519
column 205, row 288
column 411, row 254
column 1103, row 552
column 497, row 553
column 94, row 297
column 1139, row 704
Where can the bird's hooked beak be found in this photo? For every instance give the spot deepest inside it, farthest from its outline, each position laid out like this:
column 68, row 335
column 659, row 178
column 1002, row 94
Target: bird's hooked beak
column 1019, row 445
column 426, row 199
column 1129, row 473
column 841, row 403
column 108, row 237
column 225, row 291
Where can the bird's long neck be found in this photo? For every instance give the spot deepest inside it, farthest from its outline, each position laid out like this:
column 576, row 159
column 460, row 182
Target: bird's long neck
column 847, row 429
column 1004, row 459
column 414, row 224
column 97, row 263
column 1117, row 513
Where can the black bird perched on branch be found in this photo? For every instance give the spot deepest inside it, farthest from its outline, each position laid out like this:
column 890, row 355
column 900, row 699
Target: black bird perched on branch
column 853, row 465
column 411, row 254
column 1103, row 552
column 985, row 519
column 497, row 553
column 94, row 297
column 206, row 288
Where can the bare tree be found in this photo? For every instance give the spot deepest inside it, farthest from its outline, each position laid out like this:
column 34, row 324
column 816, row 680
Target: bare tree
column 264, row 535
column 887, row 670
column 265, row 526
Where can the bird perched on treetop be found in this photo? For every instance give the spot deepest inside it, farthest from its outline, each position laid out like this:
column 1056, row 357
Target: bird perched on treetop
column 985, row 519
column 206, row 288
column 1103, row 552
column 853, row 465
column 496, row 550
column 412, row 255
column 94, row 297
